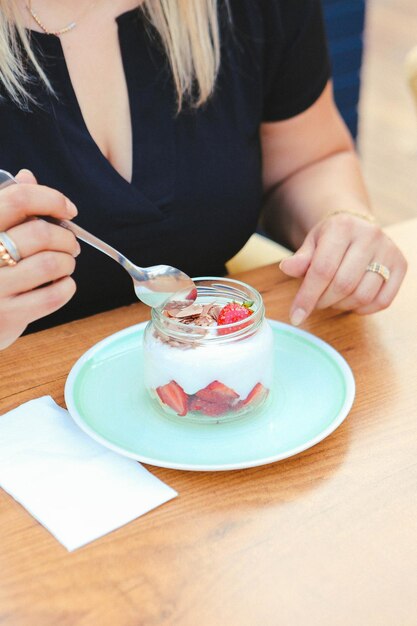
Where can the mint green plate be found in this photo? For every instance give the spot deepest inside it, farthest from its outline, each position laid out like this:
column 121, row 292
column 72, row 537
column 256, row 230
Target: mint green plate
column 313, row 393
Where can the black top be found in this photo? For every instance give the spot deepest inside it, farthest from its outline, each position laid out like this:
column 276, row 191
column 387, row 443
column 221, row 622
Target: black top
column 196, row 191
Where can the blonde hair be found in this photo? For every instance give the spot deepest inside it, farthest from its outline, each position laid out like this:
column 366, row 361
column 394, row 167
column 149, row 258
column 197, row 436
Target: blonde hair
column 189, row 31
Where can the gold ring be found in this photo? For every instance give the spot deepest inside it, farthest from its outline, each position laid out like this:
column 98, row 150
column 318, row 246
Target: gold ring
column 9, row 253
column 380, row 269
column 5, row 257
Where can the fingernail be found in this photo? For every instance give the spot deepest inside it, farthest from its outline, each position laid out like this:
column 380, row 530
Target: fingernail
column 71, row 208
column 298, row 317
column 24, row 169
column 78, row 250
column 284, row 261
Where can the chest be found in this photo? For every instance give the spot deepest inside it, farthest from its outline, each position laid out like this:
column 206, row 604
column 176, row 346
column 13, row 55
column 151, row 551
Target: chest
column 115, row 120
column 96, row 71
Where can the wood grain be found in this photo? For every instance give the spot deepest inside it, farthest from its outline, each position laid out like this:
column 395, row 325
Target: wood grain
column 324, row 538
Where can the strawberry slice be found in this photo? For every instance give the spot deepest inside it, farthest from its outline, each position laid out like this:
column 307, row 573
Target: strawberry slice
column 256, row 396
column 211, row 409
column 218, row 393
column 173, row 396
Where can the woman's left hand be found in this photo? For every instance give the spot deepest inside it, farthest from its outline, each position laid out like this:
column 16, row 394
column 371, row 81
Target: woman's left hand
column 333, row 260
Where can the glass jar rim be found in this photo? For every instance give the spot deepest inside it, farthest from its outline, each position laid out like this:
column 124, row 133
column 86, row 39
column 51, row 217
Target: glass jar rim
column 223, row 287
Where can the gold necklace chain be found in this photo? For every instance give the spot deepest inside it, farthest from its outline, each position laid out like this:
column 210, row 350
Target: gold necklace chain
column 61, row 31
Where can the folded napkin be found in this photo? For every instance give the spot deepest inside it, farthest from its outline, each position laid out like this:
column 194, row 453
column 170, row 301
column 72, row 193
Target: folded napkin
column 75, row 487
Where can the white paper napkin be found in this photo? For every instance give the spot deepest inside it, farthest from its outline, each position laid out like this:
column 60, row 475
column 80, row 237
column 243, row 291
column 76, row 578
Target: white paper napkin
column 78, row 489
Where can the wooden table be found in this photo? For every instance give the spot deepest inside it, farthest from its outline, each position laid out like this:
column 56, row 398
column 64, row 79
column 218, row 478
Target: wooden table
column 328, row 537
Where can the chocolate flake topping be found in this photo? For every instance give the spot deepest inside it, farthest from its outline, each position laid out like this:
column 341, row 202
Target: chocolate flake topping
column 198, row 314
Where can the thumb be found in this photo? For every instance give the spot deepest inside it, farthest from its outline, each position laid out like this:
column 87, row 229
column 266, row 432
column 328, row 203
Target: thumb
column 26, row 177
column 298, row 264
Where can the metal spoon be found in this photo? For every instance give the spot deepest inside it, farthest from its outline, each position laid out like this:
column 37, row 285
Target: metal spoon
column 153, row 285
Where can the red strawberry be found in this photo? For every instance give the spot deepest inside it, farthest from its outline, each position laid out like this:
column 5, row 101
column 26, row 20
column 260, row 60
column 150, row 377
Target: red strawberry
column 192, row 295
column 256, row 396
column 234, row 312
column 212, row 409
column 218, row 393
column 173, row 396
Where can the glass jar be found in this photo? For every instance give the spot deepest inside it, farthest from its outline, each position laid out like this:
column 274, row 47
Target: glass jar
column 214, row 373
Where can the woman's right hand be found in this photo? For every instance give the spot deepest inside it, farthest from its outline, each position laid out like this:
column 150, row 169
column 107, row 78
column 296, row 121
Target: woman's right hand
column 40, row 283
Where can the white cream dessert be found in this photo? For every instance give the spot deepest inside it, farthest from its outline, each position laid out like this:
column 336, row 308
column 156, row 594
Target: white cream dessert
column 237, row 365
column 203, row 369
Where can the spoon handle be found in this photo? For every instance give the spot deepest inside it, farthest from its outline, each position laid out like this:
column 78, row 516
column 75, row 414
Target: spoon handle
column 97, row 243
column 7, row 179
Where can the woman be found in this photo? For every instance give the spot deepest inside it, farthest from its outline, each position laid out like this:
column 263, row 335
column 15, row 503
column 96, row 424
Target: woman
column 170, row 125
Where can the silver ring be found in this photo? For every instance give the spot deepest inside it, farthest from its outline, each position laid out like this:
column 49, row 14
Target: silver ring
column 378, row 268
column 10, row 246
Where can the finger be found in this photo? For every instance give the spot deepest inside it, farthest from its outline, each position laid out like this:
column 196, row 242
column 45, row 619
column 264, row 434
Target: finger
column 324, row 265
column 33, row 305
column 26, row 176
column 19, row 202
column 365, row 293
column 35, row 271
column 36, row 235
column 349, row 277
column 298, row 264
column 388, row 291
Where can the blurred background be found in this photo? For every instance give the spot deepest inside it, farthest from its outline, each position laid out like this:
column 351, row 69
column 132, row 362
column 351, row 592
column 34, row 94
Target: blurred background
column 388, row 113
column 369, row 41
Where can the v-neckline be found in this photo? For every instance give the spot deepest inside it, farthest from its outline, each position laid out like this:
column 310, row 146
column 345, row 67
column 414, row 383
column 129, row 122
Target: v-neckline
column 140, row 90
column 56, row 44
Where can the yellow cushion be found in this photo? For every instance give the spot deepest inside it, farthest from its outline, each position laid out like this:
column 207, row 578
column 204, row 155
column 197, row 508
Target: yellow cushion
column 256, row 252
